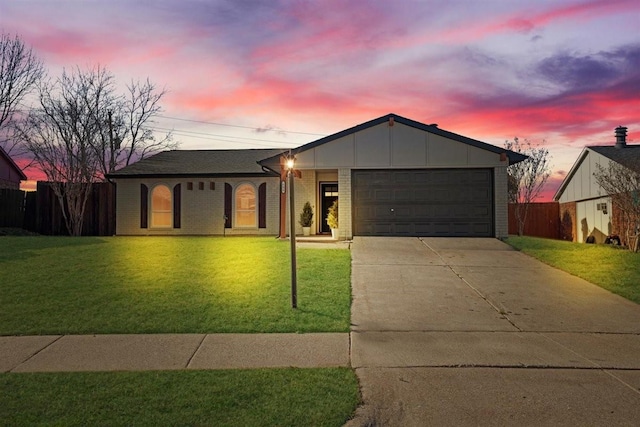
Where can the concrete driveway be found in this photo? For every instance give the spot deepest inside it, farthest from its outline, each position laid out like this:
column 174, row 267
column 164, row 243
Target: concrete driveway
column 454, row 331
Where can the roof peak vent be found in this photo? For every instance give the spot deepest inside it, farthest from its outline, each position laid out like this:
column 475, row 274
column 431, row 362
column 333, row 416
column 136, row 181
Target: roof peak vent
column 621, row 137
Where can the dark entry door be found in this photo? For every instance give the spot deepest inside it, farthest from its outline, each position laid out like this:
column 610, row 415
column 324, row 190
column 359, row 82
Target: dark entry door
column 423, row 202
column 328, row 194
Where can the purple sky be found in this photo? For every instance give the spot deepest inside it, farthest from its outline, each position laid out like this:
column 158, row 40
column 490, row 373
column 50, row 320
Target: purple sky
column 285, row 73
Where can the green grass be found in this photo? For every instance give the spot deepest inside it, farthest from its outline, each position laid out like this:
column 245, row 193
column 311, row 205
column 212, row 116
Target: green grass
column 609, row 267
column 65, row 285
column 283, row 397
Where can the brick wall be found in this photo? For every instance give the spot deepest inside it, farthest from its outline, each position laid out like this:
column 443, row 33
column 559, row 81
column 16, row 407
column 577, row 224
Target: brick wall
column 345, row 228
column 568, row 217
column 202, row 210
column 501, row 207
column 305, row 191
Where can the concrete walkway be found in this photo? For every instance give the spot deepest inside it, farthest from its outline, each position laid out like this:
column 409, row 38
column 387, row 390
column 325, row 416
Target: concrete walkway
column 172, row 351
column 469, row 332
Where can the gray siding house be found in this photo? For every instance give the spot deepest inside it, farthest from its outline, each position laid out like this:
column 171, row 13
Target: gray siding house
column 392, row 176
column 586, row 210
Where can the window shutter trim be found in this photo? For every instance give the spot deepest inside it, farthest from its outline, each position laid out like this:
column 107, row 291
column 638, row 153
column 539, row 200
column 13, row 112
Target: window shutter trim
column 144, row 206
column 262, row 205
column 228, row 196
column 176, row 205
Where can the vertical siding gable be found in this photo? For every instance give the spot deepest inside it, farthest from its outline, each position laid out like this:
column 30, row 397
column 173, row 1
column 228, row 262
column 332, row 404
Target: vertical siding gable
column 373, row 146
column 337, row 153
column 582, row 185
column 408, row 146
column 400, row 145
column 442, row 151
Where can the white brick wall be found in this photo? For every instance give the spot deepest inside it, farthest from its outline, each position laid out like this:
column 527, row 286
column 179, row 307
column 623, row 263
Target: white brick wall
column 501, row 202
column 345, row 229
column 202, row 211
column 304, row 191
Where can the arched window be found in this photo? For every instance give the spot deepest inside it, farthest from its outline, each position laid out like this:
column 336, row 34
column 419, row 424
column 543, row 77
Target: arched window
column 245, row 203
column 161, row 212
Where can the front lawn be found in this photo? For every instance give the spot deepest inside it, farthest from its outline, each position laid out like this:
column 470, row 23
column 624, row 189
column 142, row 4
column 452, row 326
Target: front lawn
column 95, row 285
column 259, row 397
column 609, row 267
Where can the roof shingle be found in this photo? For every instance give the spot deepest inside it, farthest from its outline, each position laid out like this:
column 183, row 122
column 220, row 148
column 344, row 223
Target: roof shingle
column 199, row 163
column 628, row 156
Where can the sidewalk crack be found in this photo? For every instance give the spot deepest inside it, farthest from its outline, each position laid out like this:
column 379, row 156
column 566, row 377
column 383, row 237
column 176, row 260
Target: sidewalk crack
column 36, row 353
column 196, row 351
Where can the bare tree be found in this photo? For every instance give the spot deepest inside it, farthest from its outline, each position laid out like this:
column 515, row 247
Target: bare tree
column 623, row 185
column 20, row 71
column 61, row 135
column 83, row 129
column 526, row 178
column 128, row 136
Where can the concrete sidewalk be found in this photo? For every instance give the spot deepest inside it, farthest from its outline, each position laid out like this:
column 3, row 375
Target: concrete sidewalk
column 55, row 353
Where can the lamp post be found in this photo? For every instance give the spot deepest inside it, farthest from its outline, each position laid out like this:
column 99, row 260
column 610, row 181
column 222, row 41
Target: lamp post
column 291, row 160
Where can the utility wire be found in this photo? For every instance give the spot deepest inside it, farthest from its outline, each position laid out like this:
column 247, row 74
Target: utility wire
column 206, row 134
column 241, row 127
column 183, row 133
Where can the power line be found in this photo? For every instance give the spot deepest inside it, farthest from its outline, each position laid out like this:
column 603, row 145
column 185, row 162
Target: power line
column 207, row 134
column 238, row 126
column 207, row 137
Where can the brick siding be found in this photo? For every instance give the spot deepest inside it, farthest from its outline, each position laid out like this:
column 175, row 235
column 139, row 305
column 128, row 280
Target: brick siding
column 202, row 211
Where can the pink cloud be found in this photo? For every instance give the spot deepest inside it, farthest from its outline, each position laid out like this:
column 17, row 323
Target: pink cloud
column 523, row 20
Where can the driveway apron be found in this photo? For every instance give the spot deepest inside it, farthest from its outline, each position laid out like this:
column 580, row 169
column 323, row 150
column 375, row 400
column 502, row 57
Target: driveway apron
column 457, row 331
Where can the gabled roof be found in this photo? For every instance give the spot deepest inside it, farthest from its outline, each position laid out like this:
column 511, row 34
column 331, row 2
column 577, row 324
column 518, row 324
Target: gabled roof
column 628, row 156
column 205, row 163
column 434, row 129
column 13, row 164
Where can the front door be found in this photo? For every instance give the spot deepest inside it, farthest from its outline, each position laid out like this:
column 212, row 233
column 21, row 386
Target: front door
column 328, row 194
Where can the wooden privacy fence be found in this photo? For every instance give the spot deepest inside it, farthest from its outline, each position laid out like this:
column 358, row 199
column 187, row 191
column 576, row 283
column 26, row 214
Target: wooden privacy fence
column 41, row 211
column 543, row 220
column 12, row 207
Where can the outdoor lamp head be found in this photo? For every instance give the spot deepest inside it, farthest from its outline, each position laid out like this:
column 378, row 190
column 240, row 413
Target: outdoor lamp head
column 291, row 162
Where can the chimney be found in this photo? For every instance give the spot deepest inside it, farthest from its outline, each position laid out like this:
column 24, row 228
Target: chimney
column 621, row 137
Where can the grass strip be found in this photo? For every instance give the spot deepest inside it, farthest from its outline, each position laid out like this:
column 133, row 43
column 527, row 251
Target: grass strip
column 610, row 267
column 260, row 397
column 96, row 285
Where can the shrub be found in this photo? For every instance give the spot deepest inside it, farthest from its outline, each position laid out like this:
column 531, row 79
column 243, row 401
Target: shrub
column 332, row 215
column 306, row 216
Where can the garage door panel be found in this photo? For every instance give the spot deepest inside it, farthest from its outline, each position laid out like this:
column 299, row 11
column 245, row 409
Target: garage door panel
column 381, row 213
column 403, row 194
column 437, row 202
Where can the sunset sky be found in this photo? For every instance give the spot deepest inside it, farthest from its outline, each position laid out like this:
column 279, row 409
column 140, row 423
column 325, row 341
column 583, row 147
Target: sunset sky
column 256, row 74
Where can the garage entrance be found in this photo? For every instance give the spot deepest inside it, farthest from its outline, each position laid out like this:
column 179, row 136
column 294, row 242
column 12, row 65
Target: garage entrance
column 423, row 202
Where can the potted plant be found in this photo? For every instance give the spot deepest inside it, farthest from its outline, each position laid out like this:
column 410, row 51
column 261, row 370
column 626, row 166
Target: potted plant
column 306, row 218
column 332, row 219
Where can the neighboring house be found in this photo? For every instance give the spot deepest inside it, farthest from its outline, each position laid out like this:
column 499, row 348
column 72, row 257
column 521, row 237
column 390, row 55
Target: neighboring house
column 584, row 208
column 10, row 173
column 393, row 177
